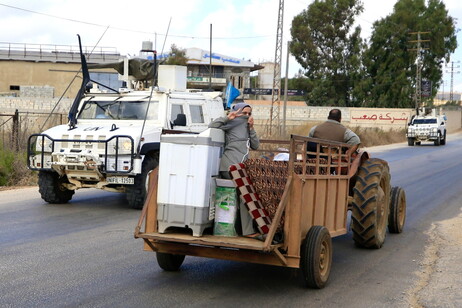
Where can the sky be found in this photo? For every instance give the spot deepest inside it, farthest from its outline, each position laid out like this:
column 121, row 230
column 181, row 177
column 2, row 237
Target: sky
column 244, row 29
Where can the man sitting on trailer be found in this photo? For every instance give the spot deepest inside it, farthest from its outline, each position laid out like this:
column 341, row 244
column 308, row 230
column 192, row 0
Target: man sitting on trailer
column 334, row 131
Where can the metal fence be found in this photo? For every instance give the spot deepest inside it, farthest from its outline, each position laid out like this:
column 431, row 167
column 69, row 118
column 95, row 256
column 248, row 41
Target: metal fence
column 47, row 52
column 15, row 128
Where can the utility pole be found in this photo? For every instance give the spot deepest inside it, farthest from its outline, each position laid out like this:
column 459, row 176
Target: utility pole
column 276, row 95
column 210, row 64
column 418, row 81
column 451, row 93
column 286, row 87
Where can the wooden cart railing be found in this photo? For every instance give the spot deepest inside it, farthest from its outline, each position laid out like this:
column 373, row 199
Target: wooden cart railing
column 315, row 193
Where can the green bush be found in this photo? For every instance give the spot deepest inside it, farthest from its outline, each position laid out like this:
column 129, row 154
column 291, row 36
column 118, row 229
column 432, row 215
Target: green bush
column 6, row 165
column 13, row 169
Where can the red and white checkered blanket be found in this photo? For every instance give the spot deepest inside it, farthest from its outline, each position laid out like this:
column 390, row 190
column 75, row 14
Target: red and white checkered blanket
column 252, row 201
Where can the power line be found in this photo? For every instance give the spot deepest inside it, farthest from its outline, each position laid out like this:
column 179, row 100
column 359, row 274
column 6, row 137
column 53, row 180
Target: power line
column 132, row 30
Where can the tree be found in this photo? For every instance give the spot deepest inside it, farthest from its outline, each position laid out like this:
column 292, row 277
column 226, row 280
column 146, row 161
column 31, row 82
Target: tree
column 299, row 82
column 329, row 49
column 176, row 56
column 391, row 59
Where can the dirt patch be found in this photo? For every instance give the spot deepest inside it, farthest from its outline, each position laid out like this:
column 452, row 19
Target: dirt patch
column 440, row 274
column 3, row 188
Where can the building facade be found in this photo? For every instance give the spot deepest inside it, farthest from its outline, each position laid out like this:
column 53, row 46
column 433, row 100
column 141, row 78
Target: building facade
column 220, row 68
column 49, row 70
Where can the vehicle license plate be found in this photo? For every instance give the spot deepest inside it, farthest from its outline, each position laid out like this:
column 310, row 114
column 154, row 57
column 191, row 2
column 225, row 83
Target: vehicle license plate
column 120, row 180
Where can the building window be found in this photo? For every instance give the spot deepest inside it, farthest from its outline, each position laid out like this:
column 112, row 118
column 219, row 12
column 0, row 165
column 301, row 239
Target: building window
column 197, row 116
column 204, row 71
column 14, row 88
column 240, row 82
column 218, row 71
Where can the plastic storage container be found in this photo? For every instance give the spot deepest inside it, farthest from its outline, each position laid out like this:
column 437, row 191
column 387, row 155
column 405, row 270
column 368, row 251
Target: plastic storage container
column 188, row 165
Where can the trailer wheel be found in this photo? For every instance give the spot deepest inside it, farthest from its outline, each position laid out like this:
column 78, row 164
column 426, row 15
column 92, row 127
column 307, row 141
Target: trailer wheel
column 316, row 257
column 370, row 204
column 397, row 215
column 137, row 193
column 410, row 141
column 51, row 187
column 169, row 262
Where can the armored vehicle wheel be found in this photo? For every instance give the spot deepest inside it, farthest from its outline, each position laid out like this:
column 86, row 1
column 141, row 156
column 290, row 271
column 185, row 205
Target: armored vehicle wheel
column 410, row 141
column 397, row 215
column 316, row 257
column 51, row 187
column 443, row 141
column 169, row 262
column 417, row 143
column 438, row 140
column 136, row 193
column 370, row 204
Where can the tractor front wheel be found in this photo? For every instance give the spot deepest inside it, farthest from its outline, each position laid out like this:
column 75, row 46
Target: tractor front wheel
column 397, row 215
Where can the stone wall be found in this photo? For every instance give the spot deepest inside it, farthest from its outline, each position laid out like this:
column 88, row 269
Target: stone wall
column 36, row 91
column 384, row 118
column 34, row 104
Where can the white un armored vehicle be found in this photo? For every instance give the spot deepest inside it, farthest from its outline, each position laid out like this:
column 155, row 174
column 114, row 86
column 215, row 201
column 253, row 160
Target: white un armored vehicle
column 112, row 140
column 428, row 127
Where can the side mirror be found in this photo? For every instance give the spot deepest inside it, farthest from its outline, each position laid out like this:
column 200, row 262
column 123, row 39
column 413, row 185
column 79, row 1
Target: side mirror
column 180, row 120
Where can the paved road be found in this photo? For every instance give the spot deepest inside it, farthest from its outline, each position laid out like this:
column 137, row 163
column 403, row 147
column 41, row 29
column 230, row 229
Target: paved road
column 83, row 254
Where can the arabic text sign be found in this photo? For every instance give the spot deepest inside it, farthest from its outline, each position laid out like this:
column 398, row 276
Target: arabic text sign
column 426, row 88
column 218, row 57
column 258, row 91
column 374, row 117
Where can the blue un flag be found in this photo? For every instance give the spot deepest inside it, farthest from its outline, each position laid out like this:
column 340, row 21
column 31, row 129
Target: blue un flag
column 231, row 94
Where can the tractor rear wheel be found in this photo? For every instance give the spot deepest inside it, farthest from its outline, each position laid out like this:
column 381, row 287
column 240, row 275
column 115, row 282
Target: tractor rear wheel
column 371, row 199
column 316, row 257
column 169, row 262
column 397, row 215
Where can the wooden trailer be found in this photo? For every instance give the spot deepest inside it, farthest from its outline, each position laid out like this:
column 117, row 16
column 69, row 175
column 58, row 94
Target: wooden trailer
column 318, row 192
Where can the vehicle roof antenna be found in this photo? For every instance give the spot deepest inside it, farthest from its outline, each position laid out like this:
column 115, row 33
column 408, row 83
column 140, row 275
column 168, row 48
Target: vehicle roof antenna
column 85, row 80
column 154, row 84
column 69, row 85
